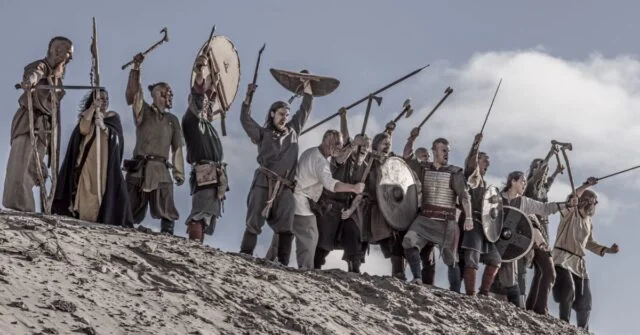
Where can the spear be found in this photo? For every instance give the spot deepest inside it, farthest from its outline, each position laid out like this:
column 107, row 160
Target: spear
column 617, row 173
column 489, row 112
column 365, row 98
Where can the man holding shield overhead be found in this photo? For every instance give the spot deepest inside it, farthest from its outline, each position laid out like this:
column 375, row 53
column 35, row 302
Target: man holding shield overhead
column 271, row 195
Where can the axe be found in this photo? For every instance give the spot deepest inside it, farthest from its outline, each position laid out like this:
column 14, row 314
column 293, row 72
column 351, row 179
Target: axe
column 564, row 147
column 447, row 92
column 165, row 38
column 407, row 110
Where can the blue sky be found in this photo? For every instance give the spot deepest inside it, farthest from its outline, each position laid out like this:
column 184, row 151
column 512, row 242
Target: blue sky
column 569, row 72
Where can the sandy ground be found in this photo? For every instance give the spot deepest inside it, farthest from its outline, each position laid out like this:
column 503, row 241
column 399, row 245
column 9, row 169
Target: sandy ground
column 61, row 276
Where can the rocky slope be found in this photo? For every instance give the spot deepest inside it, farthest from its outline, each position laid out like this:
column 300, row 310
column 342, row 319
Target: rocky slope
column 62, row 276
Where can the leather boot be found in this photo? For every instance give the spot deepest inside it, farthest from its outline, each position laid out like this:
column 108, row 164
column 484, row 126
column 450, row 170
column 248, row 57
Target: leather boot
column 470, row 281
column 582, row 318
column 488, row 276
column 354, row 265
column 195, row 229
column 397, row 267
column 166, row 226
column 285, row 242
column 413, row 258
column 249, row 241
column 320, row 258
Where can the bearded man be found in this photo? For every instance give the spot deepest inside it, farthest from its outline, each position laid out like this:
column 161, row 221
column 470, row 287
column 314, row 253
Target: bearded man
column 314, row 175
column 335, row 232
column 271, row 195
column 157, row 133
column 22, row 169
column 574, row 238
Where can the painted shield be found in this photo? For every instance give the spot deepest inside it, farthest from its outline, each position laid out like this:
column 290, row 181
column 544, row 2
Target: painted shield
column 492, row 214
column 516, row 236
column 397, row 193
column 292, row 81
column 224, row 63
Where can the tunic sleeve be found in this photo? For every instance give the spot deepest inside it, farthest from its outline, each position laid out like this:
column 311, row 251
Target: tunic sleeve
column 459, row 185
column 530, row 206
column 594, row 246
column 250, row 126
column 323, row 172
column 300, row 118
column 33, row 74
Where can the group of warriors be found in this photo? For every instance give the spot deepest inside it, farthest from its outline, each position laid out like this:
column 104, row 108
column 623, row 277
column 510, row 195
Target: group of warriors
column 347, row 193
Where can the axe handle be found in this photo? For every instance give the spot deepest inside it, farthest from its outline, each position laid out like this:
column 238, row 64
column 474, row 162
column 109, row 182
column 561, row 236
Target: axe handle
column 566, row 161
column 435, row 108
column 411, row 74
column 145, row 52
column 559, row 162
column 619, row 172
column 404, row 111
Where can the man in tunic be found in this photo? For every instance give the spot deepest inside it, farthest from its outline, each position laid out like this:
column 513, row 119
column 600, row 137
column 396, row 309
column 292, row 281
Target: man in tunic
column 157, row 133
column 538, row 185
column 22, row 170
column 273, row 182
column 512, row 195
column 376, row 229
column 574, row 238
column 417, row 162
column 314, row 175
column 475, row 246
column 208, row 178
column 442, row 185
column 79, row 194
column 333, row 231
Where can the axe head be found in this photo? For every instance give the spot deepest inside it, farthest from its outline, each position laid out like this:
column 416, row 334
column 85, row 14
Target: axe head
column 377, row 99
column 166, row 34
column 564, row 145
column 449, row 90
column 406, row 108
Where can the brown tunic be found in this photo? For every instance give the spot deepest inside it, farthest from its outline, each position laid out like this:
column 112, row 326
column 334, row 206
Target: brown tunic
column 21, row 175
column 87, row 201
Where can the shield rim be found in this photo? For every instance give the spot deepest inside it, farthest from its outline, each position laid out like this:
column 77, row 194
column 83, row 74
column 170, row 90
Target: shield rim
column 274, row 70
column 379, row 196
column 500, row 205
column 530, row 225
column 235, row 50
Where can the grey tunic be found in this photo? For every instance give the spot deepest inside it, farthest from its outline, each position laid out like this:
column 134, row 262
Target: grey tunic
column 278, row 152
column 21, row 175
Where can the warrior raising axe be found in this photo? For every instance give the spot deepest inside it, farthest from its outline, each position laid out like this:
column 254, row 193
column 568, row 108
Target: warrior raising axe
column 158, row 135
column 92, row 187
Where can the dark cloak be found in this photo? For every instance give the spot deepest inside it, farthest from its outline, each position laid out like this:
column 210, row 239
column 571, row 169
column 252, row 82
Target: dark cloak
column 115, row 208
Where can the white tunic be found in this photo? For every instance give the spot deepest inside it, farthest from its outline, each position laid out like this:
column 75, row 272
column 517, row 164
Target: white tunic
column 313, row 174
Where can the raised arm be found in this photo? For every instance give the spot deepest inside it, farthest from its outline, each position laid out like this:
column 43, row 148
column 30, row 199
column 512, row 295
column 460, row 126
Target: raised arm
column 250, row 126
column 407, row 153
column 300, row 117
column 344, row 127
column 33, row 73
column 471, row 162
column 530, row 206
column 133, row 94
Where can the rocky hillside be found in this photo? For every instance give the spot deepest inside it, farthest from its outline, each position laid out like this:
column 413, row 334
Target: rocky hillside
column 61, row 276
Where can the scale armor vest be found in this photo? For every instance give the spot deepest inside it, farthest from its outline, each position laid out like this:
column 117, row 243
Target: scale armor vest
column 437, row 189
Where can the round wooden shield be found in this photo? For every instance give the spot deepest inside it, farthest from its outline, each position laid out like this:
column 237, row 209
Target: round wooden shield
column 492, row 214
column 516, row 237
column 397, row 193
column 292, row 81
column 224, row 63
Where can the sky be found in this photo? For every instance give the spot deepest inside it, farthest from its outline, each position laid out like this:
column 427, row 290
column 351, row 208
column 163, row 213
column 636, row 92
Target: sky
column 570, row 70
